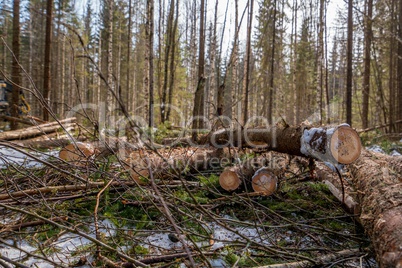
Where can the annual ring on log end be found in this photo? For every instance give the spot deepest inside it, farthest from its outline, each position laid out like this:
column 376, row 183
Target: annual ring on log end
column 229, row 180
column 345, row 145
column 76, row 152
column 264, row 181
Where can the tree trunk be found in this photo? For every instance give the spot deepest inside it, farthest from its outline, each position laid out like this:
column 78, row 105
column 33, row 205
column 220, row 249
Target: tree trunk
column 271, row 78
column 399, row 72
column 198, row 112
column 378, row 187
column 335, row 145
column 320, row 62
column 172, row 62
column 149, row 85
column 172, row 162
column 349, row 71
column 15, row 72
column 37, row 130
column 168, row 47
column 367, row 62
column 46, row 72
column 110, row 79
column 246, row 79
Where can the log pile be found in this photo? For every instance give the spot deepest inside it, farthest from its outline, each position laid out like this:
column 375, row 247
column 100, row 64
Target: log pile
column 42, row 135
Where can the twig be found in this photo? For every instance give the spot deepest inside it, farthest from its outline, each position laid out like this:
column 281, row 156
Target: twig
column 17, row 264
column 75, row 231
column 322, row 260
column 96, row 213
column 169, row 215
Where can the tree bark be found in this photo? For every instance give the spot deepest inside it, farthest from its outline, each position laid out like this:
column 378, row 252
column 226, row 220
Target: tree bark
column 399, row 72
column 367, row 62
column 46, row 72
column 170, row 163
column 198, row 111
column 349, row 71
column 335, row 145
column 15, row 72
column 260, row 173
column 379, row 194
column 272, row 70
column 37, row 130
column 246, row 79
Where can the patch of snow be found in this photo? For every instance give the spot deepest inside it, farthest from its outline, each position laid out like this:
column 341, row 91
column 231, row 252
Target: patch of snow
column 395, row 153
column 375, row 148
column 9, row 156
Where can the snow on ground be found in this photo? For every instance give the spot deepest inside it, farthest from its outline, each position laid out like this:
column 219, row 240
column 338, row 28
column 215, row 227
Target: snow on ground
column 9, row 156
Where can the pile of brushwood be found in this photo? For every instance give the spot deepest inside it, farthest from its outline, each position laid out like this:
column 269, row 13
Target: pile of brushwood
column 299, row 197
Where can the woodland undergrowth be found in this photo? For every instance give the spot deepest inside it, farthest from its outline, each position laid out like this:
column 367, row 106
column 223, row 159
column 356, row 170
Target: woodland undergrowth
column 118, row 218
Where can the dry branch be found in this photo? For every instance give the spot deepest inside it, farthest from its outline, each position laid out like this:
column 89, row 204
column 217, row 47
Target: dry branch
column 321, row 260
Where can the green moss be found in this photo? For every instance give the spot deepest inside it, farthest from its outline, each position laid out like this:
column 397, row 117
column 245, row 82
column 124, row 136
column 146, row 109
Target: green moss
column 140, row 250
column 45, row 232
column 231, row 258
column 199, row 196
column 211, row 181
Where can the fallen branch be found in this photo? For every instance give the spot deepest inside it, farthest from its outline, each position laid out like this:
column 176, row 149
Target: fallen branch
column 75, row 231
column 377, row 127
column 19, row 226
column 321, row 260
column 332, row 180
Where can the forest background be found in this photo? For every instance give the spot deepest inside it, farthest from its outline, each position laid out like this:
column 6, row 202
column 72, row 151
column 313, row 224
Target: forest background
column 192, row 60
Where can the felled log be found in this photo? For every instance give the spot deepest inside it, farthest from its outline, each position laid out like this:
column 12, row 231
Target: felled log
column 38, row 130
column 339, row 144
column 112, row 145
column 342, row 194
column 77, row 153
column 264, row 181
column 261, row 172
column 16, row 119
column 379, row 196
column 47, row 141
column 172, row 162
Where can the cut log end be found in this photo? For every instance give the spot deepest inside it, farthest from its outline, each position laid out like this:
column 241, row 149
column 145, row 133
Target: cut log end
column 345, row 145
column 264, row 181
column 137, row 168
column 139, row 175
column 229, row 180
column 77, row 153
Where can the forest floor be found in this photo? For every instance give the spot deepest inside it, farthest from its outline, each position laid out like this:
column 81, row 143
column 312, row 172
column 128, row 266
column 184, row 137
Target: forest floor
column 105, row 219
